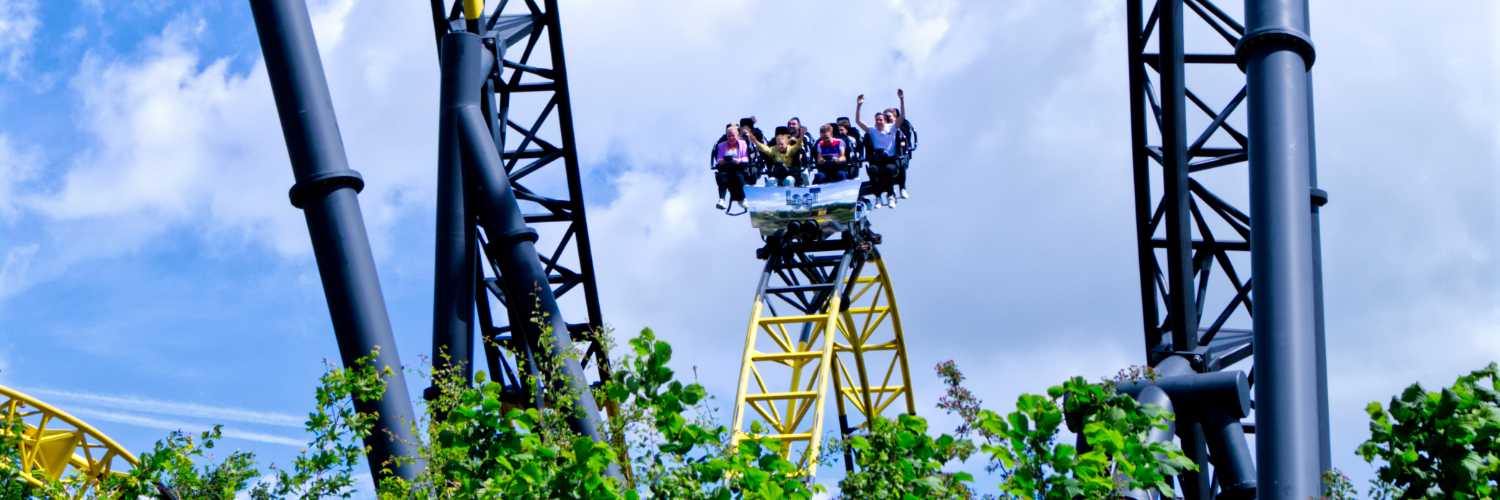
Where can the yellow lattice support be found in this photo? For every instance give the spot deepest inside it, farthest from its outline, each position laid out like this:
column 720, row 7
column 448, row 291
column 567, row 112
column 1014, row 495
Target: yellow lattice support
column 789, row 361
column 873, row 345
column 56, row 446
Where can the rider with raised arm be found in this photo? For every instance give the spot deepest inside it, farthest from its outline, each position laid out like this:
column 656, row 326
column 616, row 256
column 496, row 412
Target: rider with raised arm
column 749, row 123
column 784, row 158
column 909, row 144
column 731, row 156
column 881, row 141
column 832, row 156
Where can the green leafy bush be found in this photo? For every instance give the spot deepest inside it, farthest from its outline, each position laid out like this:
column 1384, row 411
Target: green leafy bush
column 897, row 459
column 1117, row 456
column 1438, row 444
column 476, row 445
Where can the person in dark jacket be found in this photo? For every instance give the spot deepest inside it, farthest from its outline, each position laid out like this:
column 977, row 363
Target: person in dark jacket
column 909, row 144
column 749, row 123
column 847, row 133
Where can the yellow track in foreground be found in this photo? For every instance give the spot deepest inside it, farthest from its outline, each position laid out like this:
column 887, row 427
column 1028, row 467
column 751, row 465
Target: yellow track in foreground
column 788, row 361
column 56, row 446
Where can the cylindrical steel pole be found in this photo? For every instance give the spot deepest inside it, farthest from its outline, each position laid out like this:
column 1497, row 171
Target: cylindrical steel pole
column 1231, row 454
column 1195, row 485
column 1320, row 198
column 1277, row 54
column 1154, row 396
column 327, row 192
column 453, row 267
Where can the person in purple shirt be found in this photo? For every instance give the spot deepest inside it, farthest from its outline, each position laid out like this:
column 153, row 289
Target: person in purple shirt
column 731, row 156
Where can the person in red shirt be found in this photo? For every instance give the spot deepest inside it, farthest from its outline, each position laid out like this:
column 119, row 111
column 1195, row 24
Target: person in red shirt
column 831, row 155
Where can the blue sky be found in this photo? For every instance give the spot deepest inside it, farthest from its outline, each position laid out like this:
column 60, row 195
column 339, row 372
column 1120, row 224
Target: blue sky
column 152, row 274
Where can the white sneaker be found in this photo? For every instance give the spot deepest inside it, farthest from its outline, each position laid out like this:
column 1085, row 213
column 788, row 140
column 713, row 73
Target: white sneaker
column 742, row 207
column 890, row 202
column 721, row 204
column 901, row 192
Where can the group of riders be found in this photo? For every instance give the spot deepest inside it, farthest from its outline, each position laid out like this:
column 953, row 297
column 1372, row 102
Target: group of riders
column 794, row 158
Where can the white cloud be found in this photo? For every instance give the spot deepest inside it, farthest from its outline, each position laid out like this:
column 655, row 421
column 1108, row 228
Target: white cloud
column 923, row 27
column 18, row 165
column 15, row 268
column 18, row 24
column 171, row 140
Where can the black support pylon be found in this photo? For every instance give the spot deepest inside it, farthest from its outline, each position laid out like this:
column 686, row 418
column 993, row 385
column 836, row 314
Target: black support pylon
column 527, row 113
column 327, row 191
column 1217, row 150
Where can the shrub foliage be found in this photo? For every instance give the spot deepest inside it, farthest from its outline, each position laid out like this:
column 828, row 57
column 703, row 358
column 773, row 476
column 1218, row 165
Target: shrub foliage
column 476, row 443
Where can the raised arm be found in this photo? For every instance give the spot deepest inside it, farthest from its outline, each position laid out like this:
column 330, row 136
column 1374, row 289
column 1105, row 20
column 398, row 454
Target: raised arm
column 759, row 146
column 901, row 96
column 859, row 106
column 754, row 139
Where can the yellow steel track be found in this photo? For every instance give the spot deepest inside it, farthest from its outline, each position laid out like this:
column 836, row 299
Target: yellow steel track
column 56, row 447
column 790, row 359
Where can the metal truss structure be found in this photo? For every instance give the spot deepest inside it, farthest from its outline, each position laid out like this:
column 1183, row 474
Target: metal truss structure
column 1208, row 149
column 528, row 111
column 824, row 311
column 506, row 162
column 58, row 447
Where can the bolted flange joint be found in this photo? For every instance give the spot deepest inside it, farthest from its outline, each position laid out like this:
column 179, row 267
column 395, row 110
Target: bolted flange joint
column 515, row 236
column 324, row 183
column 1269, row 39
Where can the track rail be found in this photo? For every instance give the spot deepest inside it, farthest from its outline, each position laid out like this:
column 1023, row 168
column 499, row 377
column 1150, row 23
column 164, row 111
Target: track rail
column 58, row 447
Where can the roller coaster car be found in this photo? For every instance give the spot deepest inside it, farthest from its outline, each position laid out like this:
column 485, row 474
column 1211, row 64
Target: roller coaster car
column 809, row 212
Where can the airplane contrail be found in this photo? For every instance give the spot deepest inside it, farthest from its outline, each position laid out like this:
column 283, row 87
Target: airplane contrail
column 218, row 414
column 190, row 427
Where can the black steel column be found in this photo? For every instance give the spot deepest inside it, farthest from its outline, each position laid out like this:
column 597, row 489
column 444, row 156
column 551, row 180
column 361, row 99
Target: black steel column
column 453, row 268
column 512, row 243
column 1195, row 485
column 1320, row 198
column 1277, row 55
column 570, row 161
column 1141, row 173
column 1182, row 313
column 327, row 192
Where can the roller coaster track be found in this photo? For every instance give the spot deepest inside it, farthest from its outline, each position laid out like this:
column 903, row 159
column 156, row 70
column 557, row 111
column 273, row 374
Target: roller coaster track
column 56, row 447
column 824, row 311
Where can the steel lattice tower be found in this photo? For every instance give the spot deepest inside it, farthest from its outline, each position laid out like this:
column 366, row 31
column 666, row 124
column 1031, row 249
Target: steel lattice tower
column 529, row 111
column 1195, row 152
column 824, row 313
